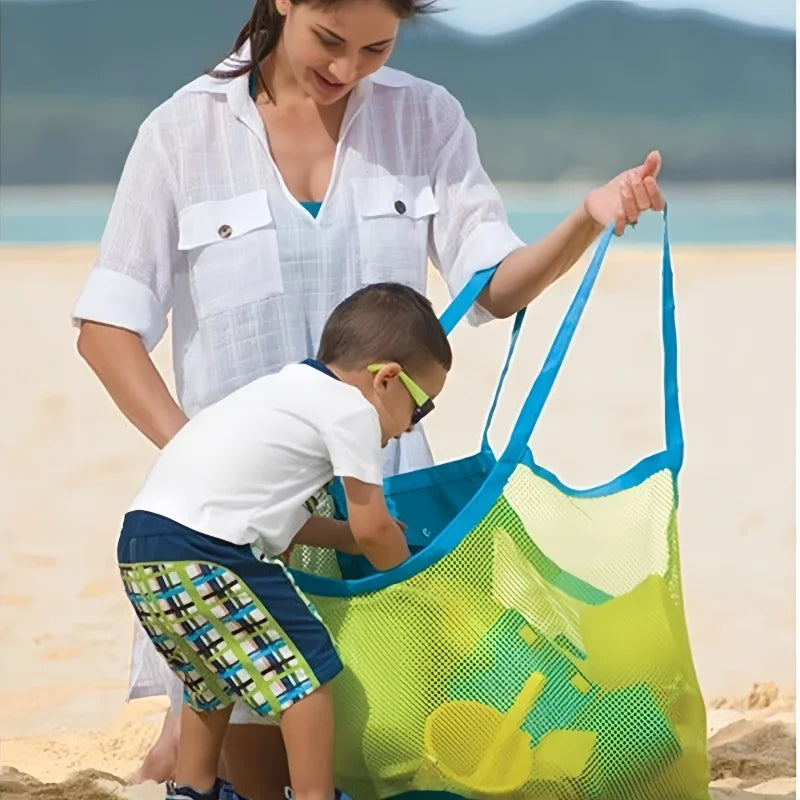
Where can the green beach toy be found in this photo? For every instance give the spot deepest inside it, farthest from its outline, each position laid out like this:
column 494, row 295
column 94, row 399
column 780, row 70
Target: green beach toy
column 494, row 672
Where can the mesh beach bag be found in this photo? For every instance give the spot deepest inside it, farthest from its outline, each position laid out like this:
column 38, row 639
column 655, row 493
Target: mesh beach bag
column 534, row 645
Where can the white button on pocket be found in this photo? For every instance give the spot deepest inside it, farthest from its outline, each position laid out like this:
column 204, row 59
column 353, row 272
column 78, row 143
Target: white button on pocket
column 232, row 248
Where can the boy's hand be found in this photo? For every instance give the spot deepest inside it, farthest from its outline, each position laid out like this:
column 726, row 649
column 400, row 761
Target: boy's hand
column 380, row 537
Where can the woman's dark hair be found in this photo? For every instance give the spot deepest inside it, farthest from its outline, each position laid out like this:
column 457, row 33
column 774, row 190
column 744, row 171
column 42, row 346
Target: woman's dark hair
column 263, row 31
column 385, row 322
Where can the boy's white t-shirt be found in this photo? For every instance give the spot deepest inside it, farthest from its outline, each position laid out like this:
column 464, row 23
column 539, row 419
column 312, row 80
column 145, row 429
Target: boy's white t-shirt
column 247, row 469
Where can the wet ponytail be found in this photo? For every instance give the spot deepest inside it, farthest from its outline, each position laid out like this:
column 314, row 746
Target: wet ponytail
column 264, row 28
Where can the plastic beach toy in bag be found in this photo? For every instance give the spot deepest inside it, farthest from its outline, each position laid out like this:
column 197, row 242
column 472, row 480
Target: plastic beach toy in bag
column 534, row 646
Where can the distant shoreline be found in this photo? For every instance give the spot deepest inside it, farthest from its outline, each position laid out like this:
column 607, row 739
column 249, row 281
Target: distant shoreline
column 708, row 214
column 502, row 185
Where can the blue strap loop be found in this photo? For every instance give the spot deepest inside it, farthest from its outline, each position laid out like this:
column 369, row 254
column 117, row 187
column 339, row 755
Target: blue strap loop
column 458, row 309
column 669, row 339
column 465, row 299
column 542, row 386
column 512, row 345
column 534, row 403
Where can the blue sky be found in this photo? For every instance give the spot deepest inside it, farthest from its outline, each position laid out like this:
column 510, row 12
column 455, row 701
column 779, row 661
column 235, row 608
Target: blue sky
column 485, row 17
column 503, row 15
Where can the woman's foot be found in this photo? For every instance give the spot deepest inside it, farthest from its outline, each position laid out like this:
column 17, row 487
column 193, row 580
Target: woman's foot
column 159, row 763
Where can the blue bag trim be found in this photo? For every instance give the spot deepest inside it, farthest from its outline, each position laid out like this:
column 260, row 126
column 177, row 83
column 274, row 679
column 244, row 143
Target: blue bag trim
column 517, row 450
column 475, row 510
column 635, row 476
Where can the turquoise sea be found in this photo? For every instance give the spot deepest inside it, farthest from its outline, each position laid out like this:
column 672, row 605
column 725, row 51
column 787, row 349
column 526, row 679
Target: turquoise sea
column 699, row 214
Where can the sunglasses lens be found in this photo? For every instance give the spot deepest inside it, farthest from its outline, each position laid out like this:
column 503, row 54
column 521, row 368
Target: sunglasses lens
column 421, row 411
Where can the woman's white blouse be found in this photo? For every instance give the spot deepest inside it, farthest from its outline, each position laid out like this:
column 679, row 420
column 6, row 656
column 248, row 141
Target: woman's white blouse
column 202, row 224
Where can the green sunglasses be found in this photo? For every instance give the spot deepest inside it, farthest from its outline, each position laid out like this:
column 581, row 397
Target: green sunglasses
column 423, row 403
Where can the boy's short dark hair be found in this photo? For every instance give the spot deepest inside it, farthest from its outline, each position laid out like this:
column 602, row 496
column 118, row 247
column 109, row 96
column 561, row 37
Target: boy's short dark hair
column 385, row 322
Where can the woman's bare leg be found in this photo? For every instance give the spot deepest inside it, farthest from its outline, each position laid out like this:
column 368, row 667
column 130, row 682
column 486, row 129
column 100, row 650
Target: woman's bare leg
column 254, row 761
column 159, row 763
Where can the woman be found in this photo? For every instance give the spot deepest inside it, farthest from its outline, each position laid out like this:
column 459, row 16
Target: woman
column 259, row 196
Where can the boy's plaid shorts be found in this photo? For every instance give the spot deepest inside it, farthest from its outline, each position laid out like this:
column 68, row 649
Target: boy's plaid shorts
column 230, row 625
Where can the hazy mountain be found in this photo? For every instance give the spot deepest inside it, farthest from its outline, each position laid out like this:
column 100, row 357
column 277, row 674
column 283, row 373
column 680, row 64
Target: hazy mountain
column 582, row 94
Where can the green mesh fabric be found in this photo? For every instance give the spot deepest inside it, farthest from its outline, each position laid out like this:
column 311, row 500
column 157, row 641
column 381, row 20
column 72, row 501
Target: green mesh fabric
column 545, row 657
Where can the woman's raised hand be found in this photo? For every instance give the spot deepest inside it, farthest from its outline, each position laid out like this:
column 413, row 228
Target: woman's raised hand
column 625, row 197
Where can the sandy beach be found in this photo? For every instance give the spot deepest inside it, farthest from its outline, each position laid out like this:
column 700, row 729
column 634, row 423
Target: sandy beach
column 71, row 463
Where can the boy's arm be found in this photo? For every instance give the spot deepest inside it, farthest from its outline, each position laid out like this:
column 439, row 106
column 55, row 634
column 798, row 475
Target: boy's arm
column 379, row 537
column 324, row 532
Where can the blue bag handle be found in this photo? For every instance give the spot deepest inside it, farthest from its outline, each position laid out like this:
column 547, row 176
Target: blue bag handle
column 512, row 346
column 465, row 299
column 456, row 311
column 542, row 386
column 669, row 338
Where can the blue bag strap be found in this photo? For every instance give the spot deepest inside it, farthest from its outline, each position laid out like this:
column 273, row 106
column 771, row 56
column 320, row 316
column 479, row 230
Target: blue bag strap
column 517, row 327
column 669, row 338
column 465, row 299
column 456, row 311
column 542, row 386
column 534, row 403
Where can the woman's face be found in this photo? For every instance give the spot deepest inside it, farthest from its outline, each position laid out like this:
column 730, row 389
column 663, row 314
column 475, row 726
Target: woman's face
column 329, row 50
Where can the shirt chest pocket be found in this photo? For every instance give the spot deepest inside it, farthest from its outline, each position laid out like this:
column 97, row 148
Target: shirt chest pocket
column 232, row 248
column 394, row 218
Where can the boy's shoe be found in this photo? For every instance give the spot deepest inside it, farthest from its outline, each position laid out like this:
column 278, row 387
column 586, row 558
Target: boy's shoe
column 221, row 790
column 340, row 795
column 227, row 792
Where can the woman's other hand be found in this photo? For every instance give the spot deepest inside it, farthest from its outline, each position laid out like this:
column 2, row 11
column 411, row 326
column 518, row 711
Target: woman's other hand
column 625, row 197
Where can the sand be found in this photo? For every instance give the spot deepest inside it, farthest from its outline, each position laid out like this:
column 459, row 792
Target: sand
column 751, row 749
column 70, row 464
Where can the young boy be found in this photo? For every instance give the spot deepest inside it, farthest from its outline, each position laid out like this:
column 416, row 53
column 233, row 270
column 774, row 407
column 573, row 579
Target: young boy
column 200, row 547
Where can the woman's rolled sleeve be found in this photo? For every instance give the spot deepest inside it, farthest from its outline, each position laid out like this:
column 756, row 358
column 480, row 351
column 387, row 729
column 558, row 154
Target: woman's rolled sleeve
column 114, row 298
column 470, row 231
column 131, row 283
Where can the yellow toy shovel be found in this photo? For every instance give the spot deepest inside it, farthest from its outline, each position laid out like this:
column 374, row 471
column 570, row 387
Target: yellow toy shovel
column 480, row 749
